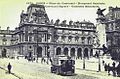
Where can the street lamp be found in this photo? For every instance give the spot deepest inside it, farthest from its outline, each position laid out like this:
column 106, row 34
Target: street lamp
column 36, row 34
column 83, row 62
column 37, row 46
column 46, row 36
column 99, row 60
column 99, row 66
column 47, row 53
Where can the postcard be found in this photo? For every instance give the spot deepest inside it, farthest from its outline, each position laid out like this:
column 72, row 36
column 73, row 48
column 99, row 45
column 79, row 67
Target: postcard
column 59, row 39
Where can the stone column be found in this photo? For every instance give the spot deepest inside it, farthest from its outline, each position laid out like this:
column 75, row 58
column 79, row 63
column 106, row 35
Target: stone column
column 101, row 30
column 82, row 52
column 88, row 53
column 54, row 50
column 69, row 51
column 76, row 52
column 43, row 51
column 86, row 42
column 66, row 40
column 59, row 40
column 80, row 41
column 62, row 50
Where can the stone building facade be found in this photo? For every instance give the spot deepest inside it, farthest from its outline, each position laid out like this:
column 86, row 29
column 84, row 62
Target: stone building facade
column 113, row 31
column 37, row 35
column 5, row 42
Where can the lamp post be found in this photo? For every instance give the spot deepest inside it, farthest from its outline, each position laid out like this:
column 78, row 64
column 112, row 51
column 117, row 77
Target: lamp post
column 47, row 53
column 37, row 32
column 97, row 47
column 99, row 66
column 83, row 62
column 37, row 47
column 99, row 60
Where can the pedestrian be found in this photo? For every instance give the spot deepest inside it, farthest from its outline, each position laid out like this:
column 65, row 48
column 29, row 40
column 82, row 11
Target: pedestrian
column 17, row 57
column 113, row 69
column 118, row 70
column 103, row 62
column 108, row 68
column 42, row 60
column 105, row 67
column 34, row 59
column 9, row 68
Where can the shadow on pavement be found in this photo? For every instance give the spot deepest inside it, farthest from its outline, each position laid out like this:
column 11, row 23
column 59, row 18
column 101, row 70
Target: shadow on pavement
column 11, row 73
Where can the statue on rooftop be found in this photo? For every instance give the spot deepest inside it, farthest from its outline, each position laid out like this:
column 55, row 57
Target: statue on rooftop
column 70, row 22
column 57, row 22
column 21, row 16
column 100, row 12
column 51, row 21
column 38, row 15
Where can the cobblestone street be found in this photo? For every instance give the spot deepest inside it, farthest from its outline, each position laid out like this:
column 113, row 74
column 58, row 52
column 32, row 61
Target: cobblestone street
column 22, row 69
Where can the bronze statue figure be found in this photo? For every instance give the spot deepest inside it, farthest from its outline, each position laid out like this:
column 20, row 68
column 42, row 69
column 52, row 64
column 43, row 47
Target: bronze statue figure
column 100, row 12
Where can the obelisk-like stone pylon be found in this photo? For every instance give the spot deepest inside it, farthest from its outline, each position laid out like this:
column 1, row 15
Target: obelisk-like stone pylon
column 101, row 32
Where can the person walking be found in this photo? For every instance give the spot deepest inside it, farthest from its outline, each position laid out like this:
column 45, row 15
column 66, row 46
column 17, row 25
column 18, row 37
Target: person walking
column 103, row 62
column 105, row 67
column 113, row 69
column 42, row 60
column 108, row 68
column 9, row 68
column 118, row 70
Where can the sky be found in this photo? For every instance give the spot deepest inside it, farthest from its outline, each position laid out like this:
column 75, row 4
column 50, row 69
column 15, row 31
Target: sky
column 10, row 10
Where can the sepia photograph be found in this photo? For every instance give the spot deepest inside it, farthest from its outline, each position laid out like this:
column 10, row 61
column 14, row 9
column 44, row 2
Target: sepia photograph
column 66, row 39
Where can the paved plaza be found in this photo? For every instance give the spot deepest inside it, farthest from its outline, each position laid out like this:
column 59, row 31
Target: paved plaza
column 22, row 69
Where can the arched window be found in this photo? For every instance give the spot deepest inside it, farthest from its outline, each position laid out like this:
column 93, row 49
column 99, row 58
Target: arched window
column 65, row 51
column 58, row 51
column 79, row 53
column 86, row 52
column 72, row 52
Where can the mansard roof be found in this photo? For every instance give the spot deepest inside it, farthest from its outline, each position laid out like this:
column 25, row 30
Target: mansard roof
column 35, row 5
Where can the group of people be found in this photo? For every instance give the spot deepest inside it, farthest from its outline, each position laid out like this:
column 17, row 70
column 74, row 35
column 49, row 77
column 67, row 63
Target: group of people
column 30, row 58
column 114, row 69
column 43, row 60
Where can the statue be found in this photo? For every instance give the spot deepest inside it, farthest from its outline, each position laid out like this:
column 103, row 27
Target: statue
column 63, row 24
column 57, row 22
column 51, row 21
column 22, row 17
column 100, row 12
column 38, row 15
column 70, row 22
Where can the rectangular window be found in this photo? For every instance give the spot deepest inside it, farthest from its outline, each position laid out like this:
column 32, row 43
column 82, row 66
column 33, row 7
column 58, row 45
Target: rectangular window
column 30, row 38
column 26, row 36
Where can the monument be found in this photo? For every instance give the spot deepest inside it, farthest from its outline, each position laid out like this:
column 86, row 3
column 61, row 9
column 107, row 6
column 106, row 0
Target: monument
column 101, row 28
